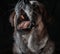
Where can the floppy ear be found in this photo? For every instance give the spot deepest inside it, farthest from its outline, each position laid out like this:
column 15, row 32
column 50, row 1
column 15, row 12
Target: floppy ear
column 46, row 18
column 11, row 18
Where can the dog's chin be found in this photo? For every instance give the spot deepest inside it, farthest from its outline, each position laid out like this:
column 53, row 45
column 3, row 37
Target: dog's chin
column 24, row 31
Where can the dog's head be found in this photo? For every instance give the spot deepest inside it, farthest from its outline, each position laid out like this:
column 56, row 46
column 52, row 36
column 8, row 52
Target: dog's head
column 28, row 14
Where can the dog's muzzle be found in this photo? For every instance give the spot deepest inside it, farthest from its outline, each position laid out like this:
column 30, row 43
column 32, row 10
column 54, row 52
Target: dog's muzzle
column 24, row 24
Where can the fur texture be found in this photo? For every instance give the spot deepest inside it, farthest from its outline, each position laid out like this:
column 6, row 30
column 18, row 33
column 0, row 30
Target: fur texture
column 35, row 41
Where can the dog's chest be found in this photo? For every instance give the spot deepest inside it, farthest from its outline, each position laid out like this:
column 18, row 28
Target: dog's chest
column 25, row 39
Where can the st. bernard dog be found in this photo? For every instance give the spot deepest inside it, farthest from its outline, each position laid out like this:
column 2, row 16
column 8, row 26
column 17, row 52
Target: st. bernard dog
column 30, row 32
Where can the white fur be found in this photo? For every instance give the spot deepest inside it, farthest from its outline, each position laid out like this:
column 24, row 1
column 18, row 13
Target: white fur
column 33, row 45
column 28, row 11
column 19, row 42
column 43, row 42
column 32, row 2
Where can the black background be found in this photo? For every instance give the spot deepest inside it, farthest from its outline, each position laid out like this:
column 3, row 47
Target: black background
column 6, row 40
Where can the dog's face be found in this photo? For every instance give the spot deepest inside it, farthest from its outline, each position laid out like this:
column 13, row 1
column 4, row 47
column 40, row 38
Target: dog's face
column 27, row 16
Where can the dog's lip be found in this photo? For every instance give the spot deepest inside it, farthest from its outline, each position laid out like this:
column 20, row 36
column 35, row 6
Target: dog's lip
column 23, row 25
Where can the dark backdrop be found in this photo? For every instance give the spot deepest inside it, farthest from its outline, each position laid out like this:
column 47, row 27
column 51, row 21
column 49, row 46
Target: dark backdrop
column 6, row 40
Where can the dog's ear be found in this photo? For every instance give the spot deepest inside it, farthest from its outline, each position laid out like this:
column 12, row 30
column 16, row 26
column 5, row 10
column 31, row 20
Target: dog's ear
column 11, row 18
column 46, row 18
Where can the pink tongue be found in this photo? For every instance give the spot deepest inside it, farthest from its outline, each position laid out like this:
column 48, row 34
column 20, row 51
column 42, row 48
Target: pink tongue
column 23, row 25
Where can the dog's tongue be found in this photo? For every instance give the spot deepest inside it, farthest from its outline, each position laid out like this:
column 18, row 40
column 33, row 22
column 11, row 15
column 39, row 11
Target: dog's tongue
column 23, row 25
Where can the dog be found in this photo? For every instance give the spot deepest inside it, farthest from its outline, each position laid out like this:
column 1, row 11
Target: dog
column 30, row 32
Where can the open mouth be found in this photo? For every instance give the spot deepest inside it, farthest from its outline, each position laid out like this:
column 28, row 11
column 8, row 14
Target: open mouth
column 23, row 25
column 24, row 22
